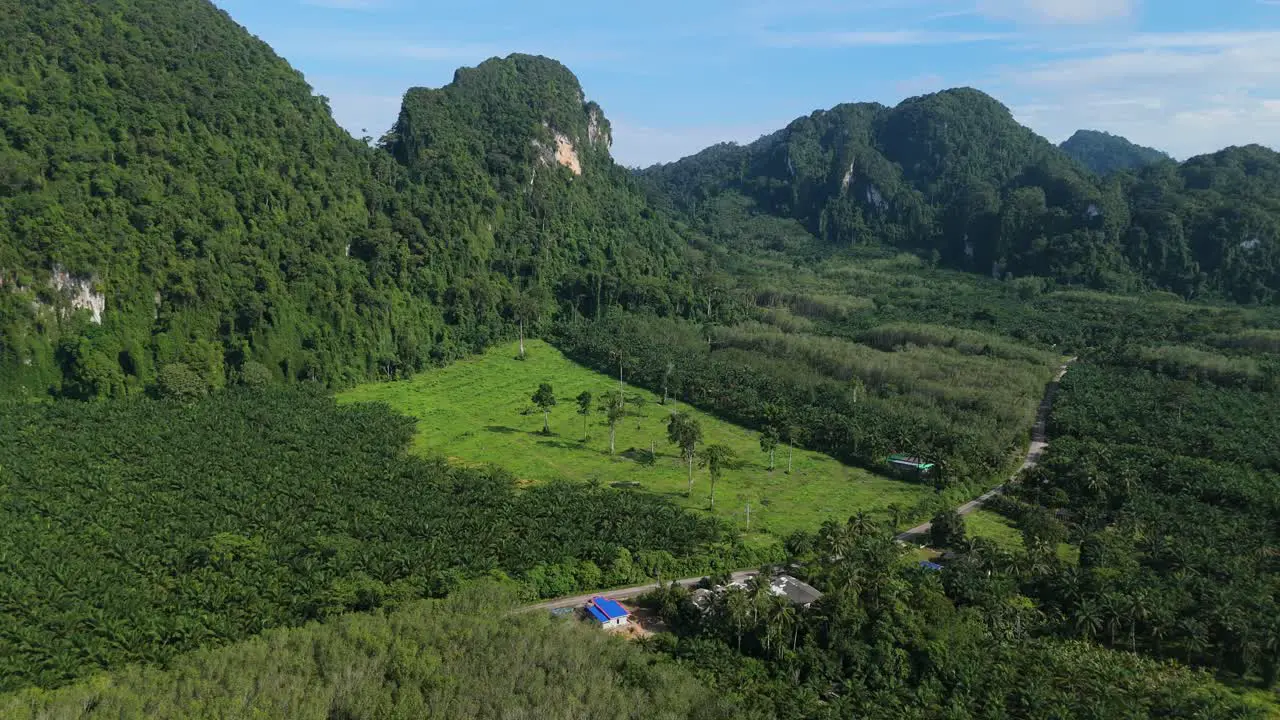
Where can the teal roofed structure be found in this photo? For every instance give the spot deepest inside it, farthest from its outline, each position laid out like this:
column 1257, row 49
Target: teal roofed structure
column 911, row 466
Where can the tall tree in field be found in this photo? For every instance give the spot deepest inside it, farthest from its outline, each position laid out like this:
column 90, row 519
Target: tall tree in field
column 667, row 372
column 791, row 445
column 769, row 443
column 584, row 408
column 716, row 458
column 545, row 399
column 619, row 355
column 614, row 412
column 524, row 309
column 684, row 432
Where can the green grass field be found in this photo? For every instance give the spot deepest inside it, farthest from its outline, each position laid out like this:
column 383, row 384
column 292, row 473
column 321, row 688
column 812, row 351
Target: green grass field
column 994, row 527
column 1002, row 531
column 479, row 411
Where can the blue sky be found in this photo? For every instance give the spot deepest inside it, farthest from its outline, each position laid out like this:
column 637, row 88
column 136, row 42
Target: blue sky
column 1187, row 76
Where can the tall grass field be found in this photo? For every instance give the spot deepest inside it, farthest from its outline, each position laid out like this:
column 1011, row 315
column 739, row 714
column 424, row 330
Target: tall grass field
column 480, row 411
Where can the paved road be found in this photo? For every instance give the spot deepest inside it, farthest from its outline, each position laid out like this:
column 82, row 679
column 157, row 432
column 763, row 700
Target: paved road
column 1039, row 443
column 624, row 593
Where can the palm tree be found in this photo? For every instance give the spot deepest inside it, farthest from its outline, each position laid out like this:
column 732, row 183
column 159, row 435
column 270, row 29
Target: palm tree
column 1113, row 611
column 685, row 432
column 737, row 607
column 782, row 621
column 613, row 411
column 758, row 593
column 716, row 458
column 620, row 355
column 769, row 443
column 1137, row 610
column 525, row 308
column 1087, row 619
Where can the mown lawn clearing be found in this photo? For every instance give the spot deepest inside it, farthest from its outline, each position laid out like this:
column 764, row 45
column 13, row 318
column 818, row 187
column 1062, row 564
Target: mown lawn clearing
column 480, row 411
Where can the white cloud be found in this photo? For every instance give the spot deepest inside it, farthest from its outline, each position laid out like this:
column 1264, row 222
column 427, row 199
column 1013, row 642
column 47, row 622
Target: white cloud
column 1185, row 93
column 1058, row 11
column 877, row 38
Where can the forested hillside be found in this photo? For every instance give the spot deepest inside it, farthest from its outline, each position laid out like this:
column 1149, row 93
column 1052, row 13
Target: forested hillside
column 953, row 177
column 1104, row 153
column 172, row 193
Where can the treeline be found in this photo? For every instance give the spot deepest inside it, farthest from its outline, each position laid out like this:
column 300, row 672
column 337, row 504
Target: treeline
column 463, row 658
column 132, row 531
column 854, row 291
column 889, row 639
column 953, row 177
column 966, row 412
column 1172, row 489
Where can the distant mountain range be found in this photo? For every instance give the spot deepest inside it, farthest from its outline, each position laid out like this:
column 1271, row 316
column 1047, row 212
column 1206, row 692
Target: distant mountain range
column 953, row 176
column 174, row 193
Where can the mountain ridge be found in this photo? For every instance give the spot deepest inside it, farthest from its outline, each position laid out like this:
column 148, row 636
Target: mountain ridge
column 1104, row 153
column 953, row 176
column 173, row 193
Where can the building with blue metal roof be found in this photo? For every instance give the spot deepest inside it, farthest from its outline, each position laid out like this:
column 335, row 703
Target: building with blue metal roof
column 609, row 613
column 930, row 565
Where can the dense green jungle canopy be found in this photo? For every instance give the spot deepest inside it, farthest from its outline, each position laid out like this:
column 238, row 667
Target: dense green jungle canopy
column 401, row 664
column 137, row 529
column 179, row 213
column 172, row 192
column 1104, row 153
column 952, row 176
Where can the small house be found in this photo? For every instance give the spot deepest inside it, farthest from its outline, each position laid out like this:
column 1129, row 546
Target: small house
column 910, row 467
column 798, row 592
column 609, row 613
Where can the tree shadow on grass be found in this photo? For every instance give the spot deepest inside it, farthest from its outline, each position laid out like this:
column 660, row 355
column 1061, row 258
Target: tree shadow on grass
column 502, row 429
column 637, row 455
column 562, row 444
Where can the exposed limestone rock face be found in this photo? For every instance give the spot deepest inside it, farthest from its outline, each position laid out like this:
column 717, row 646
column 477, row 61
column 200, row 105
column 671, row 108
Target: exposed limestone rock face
column 597, row 132
column 79, row 293
column 562, row 151
column 567, row 154
column 848, row 178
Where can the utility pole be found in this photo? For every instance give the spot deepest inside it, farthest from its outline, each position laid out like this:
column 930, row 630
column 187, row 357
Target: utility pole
column 748, row 517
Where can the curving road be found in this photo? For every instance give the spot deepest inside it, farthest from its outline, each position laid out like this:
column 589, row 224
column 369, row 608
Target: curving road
column 919, row 534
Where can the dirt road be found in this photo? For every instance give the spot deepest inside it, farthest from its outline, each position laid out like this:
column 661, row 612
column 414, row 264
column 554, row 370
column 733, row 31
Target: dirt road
column 624, row 593
column 919, row 535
